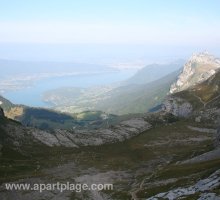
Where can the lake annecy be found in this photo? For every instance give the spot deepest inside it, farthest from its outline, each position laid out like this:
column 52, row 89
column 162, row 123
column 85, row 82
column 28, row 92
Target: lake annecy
column 32, row 95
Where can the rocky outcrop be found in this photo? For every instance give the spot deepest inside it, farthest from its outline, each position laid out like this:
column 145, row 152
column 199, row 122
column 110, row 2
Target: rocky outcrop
column 177, row 106
column 199, row 68
column 202, row 186
column 211, row 155
column 76, row 138
column 120, row 132
column 203, row 130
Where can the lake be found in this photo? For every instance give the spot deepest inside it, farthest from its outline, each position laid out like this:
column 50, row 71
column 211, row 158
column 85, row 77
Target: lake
column 32, row 95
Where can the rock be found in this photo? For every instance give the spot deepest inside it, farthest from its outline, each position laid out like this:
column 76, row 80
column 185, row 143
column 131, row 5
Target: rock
column 203, row 130
column 204, row 185
column 120, row 132
column 198, row 119
column 44, row 137
column 211, row 155
column 64, row 140
column 209, row 196
column 199, row 68
column 72, row 138
column 177, row 106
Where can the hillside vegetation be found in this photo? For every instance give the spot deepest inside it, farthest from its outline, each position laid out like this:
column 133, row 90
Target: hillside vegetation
column 132, row 98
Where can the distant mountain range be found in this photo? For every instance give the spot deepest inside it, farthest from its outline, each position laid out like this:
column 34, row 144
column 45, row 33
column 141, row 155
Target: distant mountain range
column 154, row 72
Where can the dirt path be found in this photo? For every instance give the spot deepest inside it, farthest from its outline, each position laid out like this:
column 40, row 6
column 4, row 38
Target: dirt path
column 205, row 103
column 134, row 193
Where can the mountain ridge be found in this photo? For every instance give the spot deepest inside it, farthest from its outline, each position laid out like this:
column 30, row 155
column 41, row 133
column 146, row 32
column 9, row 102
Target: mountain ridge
column 197, row 69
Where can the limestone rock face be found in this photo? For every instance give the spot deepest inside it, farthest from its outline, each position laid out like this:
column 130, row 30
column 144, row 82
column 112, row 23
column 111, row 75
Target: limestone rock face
column 67, row 138
column 199, row 68
column 120, row 132
column 177, row 106
column 204, row 185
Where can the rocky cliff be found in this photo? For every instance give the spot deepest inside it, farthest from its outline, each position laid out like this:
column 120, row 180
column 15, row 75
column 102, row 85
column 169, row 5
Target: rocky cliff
column 196, row 91
column 203, row 187
column 199, row 68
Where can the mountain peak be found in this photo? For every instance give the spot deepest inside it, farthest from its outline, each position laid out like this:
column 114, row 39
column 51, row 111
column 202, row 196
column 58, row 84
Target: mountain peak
column 204, row 57
column 197, row 69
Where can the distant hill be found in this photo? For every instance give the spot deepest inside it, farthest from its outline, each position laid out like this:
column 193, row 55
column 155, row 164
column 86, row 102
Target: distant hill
column 137, row 98
column 153, row 72
column 48, row 119
column 125, row 99
column 143, row 91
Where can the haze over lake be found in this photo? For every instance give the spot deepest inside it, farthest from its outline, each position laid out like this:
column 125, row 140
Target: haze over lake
column 32, row 94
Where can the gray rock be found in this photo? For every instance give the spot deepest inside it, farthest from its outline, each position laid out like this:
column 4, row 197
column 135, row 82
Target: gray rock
column 209, row 196
column 120, row 132
column 198, row 119
column 213, row 181
column 199, row 68
column 44, row 137
column 177, row 106
column 203, row 130
column 211, row 155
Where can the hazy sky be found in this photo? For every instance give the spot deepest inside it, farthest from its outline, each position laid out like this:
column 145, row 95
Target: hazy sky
column 108, row 31
column 151, row 22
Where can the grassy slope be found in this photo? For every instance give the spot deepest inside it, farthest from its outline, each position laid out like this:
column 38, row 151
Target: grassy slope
column 157, row 149
column 49, row 119
column 153, row 72
column 131, row 97
column 137, row 98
